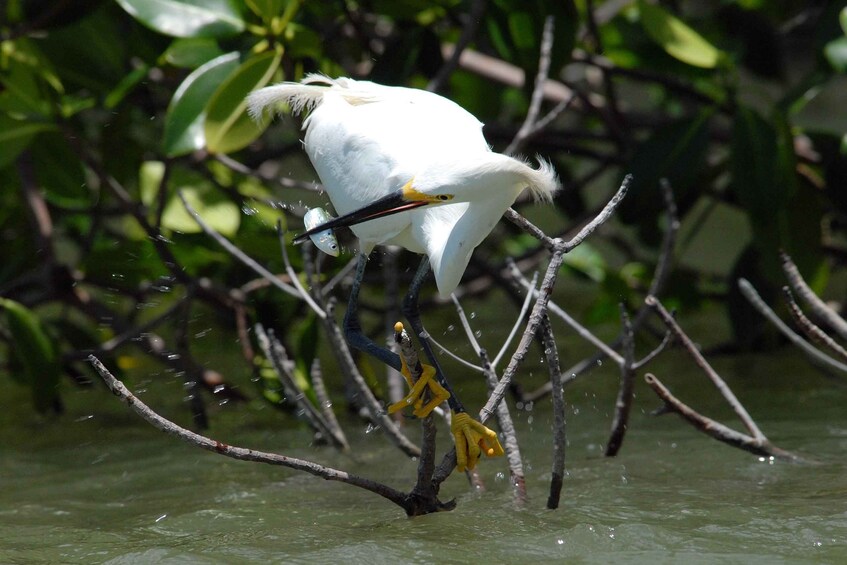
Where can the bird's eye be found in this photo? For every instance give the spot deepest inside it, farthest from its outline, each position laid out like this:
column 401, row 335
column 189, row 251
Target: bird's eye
column 443, row 197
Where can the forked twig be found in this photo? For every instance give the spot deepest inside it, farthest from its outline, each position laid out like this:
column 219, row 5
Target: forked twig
column 817, row 358
column 713, row 428
column 812, row 331
column 819, row 307
column 701, row 362
column 754, row 442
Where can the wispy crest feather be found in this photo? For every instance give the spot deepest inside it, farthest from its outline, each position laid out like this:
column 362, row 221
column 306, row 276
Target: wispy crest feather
column 304, row 96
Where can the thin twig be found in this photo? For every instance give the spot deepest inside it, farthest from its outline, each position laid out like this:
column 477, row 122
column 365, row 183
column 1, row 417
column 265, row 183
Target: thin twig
column 283, row 366
column 241, row 453
column 623, row 404
column 812, row 331
column 554, row 370
column 816, row 357
column 475, row 13
column 295, row 280
column 325, row 404
column 524, row 309
column 818, row 306
column 237, row 253
column 285, row 182
column 701, row 362
column 504, row 417
column 546, row 53
column 718, row 431
column 348, row 367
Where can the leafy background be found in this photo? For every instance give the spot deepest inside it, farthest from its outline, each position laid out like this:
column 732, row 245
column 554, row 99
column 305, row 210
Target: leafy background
column 108, row 109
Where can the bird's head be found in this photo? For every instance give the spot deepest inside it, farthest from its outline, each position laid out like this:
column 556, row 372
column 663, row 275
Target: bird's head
column 408, row 197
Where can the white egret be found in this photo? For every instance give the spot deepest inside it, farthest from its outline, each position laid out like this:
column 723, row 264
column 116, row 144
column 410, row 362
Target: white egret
column 408, row 167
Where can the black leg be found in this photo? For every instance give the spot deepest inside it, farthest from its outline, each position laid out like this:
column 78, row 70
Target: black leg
column 353, row 329
column 412, row 313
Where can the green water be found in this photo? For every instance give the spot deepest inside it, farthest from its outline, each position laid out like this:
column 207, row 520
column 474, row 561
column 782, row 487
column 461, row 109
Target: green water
column 99, row 485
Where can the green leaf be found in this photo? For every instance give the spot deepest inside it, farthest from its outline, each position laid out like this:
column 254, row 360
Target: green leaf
column 677, row 39
column 676, row 152
column 187, row 18
column 842, row 18
column 28, row 84
column 191, row 52
column 16, row 135
column 59, row 171
column 125, row 86
column 150, row 177
column 302, row 42
column 186, row 113
column 220, row 214
column 34, row 354
column 587, row 260
column 836, row 53
column 267, row 9
column 754, row 166
column 227, row 126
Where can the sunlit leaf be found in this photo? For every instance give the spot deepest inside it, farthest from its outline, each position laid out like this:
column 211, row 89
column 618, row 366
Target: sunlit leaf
column 836, row 53
column 677, row 39
column 150, row 178
column 219, row 213
column 227, row 126
column 587, row 260
column 187, row 18
column 34, row 353
column 184, row 120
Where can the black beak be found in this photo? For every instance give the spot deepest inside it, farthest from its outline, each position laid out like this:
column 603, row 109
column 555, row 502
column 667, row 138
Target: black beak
column 393, row 203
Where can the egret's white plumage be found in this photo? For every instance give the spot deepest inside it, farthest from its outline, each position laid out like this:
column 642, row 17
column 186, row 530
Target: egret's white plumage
column 367, row 140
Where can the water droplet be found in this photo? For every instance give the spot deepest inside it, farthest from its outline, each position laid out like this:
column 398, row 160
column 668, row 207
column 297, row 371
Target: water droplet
column 473, row 315
column 173, row 356
column 560, row 541
column 451, row 327
column 478, row 334
column 249, row 210
column 599, row 362
column 160, row 518
column 499, row 476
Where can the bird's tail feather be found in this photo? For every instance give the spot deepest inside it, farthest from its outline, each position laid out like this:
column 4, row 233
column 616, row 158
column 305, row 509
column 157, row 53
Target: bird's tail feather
column 543, row 181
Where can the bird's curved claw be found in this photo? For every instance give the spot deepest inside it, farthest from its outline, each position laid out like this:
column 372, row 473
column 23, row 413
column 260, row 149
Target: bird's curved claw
column 472, row 440
column 438, row 393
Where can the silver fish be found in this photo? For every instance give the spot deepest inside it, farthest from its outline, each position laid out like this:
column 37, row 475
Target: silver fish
column 325, row 240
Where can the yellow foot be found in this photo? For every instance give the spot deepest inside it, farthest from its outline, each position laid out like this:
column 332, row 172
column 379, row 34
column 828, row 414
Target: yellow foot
column 415, row 397
column 472, row 439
